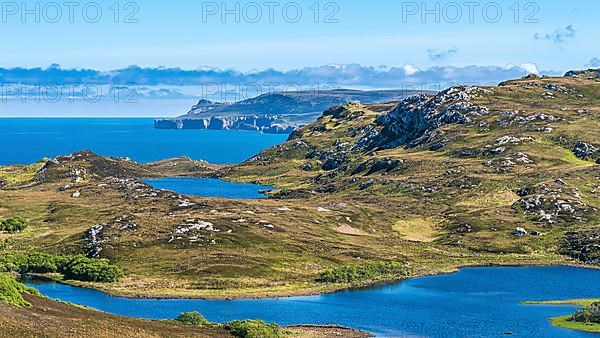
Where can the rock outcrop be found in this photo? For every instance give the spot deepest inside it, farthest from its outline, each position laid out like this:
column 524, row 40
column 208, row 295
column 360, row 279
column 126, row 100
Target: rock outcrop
column 585, row 151
column 416, row 120
column 582, row 245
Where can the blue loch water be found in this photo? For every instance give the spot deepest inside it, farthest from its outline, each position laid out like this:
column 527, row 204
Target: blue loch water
column 27, row 140
column 209, row 187
column 474, row 302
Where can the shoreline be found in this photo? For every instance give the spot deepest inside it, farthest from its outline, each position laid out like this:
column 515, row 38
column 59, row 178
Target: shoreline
column 306, row 292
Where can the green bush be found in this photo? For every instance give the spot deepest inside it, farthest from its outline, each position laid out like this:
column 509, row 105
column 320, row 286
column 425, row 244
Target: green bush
column 369, row 271
column 253, row 329
column 590, row 314
column 39, row 263
column 90, row 270
column 11, row 291
column 193, row 318
column 14, row 224
column 73, row 267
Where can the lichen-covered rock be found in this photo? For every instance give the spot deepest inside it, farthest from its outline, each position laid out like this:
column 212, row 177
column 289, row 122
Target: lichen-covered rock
column 336, row 157
column 416, row 120
column 585, row 150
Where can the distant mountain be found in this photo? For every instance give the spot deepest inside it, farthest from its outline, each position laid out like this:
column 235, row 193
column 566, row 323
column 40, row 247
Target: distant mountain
column 275, row 112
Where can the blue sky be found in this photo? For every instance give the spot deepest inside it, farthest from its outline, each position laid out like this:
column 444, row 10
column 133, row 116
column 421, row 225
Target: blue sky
column 382, row 33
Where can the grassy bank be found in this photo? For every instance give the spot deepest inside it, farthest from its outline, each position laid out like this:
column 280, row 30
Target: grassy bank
column 566, row 323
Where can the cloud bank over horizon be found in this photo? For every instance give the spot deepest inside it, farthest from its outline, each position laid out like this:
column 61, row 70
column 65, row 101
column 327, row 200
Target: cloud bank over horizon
column 332, row 76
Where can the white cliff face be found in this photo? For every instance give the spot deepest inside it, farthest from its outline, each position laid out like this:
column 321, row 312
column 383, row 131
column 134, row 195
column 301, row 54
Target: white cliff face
column 268, row 124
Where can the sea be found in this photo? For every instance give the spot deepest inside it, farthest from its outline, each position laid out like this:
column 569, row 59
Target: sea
column 28, row 140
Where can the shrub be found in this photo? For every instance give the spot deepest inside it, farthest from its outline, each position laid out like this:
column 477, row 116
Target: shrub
column 193, row 318
column 39, row 263
column 11, row 291
column 369, row 271
column 590, row 314
column 14, row 224
column 73, row 267
column 90, row 270
column 253, row 329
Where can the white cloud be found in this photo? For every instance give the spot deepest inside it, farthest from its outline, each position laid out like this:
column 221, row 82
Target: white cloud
column 531, row 68
column 410, row 69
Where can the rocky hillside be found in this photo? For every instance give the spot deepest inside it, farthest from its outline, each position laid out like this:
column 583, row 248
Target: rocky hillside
column 273, row 112
column 513, row 168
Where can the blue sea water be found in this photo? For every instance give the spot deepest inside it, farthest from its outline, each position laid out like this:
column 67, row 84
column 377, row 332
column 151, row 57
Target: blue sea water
column 209, row 187
column 27, row 140
column 474, row 302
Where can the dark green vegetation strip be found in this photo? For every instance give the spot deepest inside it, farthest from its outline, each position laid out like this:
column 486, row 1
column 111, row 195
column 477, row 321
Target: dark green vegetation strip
column 366, row 272
column 72, row 267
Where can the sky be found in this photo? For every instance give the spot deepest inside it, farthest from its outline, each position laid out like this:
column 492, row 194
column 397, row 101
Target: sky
column 547, row 35
column 179, row 51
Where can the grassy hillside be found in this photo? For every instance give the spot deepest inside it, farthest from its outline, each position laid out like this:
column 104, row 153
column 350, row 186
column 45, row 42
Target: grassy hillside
column 471, row 176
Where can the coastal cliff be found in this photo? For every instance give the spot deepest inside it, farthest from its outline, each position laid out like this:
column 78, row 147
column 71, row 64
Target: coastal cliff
column 274, row 113
column 266, row 124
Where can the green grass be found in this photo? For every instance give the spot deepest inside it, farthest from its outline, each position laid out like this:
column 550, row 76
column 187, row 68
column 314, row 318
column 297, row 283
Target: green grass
column 566, row 323
column 578, row 302
column 20, row 174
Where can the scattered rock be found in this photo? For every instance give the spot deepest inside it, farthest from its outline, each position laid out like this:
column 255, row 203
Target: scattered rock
column 306, row 166
column 525, row 191
column 582, row 245
column 547, row 95
column 559, row 88
column 520, row 232
column 585, row 150
column 366, row 184
column 512, row 140
column 554, row 203
column 93, row 241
